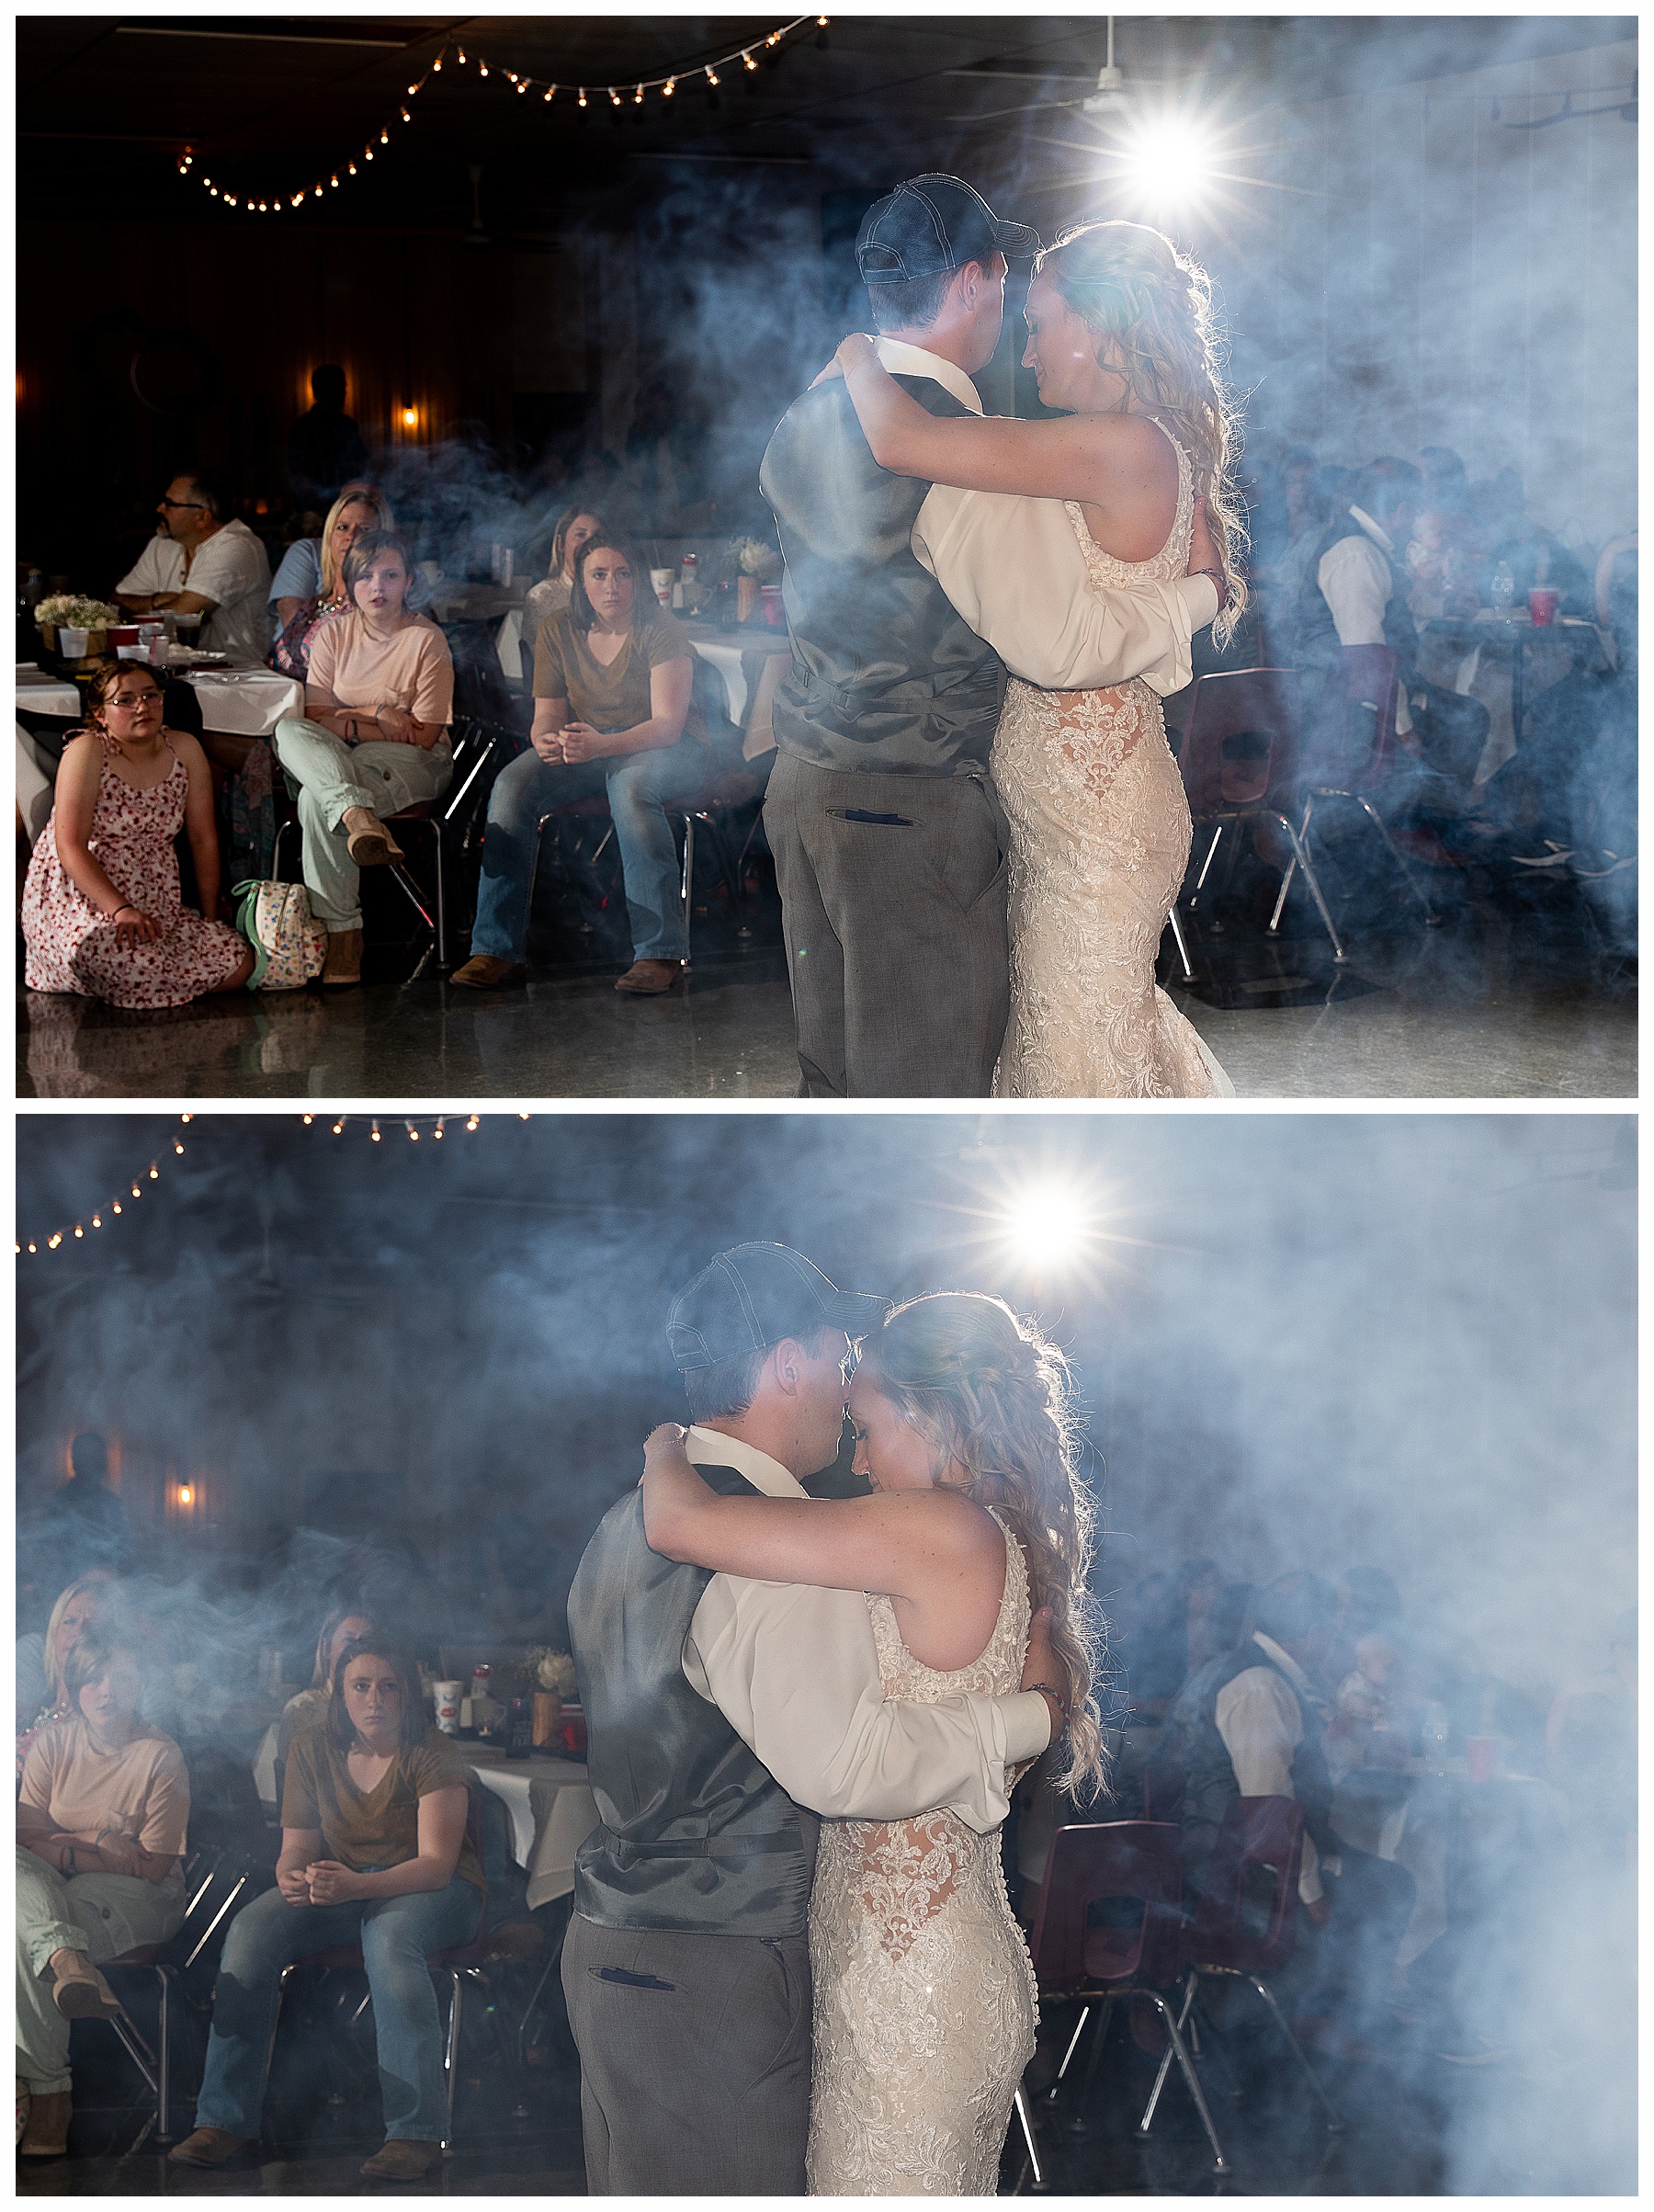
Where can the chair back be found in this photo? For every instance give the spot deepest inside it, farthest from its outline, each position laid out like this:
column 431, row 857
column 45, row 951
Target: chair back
column 1256, row 1831
column 1353, row 746
column 488, row 1824
column 1239, row 740
column 1136, row 1860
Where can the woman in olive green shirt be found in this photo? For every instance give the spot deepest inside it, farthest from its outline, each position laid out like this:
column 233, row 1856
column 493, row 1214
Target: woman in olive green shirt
column 612, row 675
column 374, row 1852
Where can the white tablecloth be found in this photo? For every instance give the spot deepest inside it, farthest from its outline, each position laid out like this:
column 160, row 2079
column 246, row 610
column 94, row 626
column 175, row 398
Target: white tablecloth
column 240, row 702
column 39, row 693
column 552, row 1812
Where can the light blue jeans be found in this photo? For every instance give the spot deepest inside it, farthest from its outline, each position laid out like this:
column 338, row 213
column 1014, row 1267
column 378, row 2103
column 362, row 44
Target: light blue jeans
column 638, row 788
column 397, row 1934
column 332, row 776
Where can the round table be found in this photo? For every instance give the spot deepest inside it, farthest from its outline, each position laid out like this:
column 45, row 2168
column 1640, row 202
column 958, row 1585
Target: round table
column 552, row 1812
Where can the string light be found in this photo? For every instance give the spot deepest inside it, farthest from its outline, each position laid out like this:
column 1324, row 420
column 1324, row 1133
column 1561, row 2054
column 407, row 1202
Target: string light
column 380, row 1125
column 638, row 89
column 76, row 1232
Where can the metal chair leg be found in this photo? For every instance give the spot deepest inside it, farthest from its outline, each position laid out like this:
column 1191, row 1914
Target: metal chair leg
column 442, row 958
column 451, row 2059
column 1274, row 919
column 1300, row 853
column 1028, row 2127
column 1052, row 2094
column 1182, row 950
column 1165, row 2064
column 688, row 883
column 1430, row 916
column 1219, row 2163
column 1206, row 864
column 167, row 1977
column 1333, row 2120
column 545, row 1976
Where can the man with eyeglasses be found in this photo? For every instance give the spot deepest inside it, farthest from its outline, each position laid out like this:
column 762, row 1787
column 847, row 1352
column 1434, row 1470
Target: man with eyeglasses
column 203, row 563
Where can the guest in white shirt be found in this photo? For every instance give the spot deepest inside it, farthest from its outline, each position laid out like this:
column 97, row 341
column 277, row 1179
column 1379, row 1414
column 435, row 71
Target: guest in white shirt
column 203, row 563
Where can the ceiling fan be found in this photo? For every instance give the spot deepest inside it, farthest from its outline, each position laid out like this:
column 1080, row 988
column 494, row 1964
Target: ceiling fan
column 1110, row 101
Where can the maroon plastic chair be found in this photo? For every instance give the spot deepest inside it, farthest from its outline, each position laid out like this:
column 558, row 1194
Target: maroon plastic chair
column 1228, row 789
column 1140, row 1860
column 1363, row 676
column 1256, row 1831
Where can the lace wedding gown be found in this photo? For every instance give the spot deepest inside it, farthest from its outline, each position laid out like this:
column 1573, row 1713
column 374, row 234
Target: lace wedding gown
column 925, row 1999
column 1100, row 838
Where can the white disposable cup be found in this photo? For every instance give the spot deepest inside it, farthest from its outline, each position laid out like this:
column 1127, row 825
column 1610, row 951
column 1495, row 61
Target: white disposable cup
column 662, row 579
column 448, row 1694
column 71, row 643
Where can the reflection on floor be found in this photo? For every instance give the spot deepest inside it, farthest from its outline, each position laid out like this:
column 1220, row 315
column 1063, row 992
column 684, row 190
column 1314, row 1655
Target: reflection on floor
column 1413, row 2124
column 1518, row 993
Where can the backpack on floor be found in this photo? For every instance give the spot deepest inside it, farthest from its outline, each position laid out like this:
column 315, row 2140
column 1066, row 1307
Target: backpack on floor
column 292, row 944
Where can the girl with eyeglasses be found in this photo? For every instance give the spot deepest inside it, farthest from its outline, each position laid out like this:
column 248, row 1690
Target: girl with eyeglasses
column 103, row 911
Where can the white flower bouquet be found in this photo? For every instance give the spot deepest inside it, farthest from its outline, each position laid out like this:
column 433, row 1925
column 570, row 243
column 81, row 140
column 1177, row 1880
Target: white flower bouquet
column 753, row 557
column 71, row 610
column 552, row 1671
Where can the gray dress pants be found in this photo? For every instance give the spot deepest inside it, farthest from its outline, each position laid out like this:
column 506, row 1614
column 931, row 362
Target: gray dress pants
column 893, row 902
column 693, row 2060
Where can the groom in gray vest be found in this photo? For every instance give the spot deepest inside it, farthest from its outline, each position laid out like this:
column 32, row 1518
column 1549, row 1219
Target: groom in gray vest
column 723, row 1716
column 907, row 602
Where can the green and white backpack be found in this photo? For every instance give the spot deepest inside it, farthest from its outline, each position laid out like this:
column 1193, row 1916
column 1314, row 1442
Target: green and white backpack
column 292, row 944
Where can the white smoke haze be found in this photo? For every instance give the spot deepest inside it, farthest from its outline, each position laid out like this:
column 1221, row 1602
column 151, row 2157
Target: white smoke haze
column 1303, row 1341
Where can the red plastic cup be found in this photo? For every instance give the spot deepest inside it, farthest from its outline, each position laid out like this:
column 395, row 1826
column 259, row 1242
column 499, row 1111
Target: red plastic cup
column 1542, row 607
column 1481, row 1751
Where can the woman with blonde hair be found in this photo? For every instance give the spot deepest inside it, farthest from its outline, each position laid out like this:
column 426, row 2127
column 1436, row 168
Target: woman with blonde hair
column 310, row 583
column 78, row 1613
column 925, row 2004
column 1121, row 337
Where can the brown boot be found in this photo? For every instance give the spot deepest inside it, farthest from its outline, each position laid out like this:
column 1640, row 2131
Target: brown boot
column 648, row 979
column 343, row 963
column 46, row 2134
column 371, row 843
column 210, row 2147
column 81, row 1991
column 402, row 2160
column 485, row 972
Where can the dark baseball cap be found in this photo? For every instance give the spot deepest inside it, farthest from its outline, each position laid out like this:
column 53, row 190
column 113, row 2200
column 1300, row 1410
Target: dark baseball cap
column 931, row 226
column 753, row 1296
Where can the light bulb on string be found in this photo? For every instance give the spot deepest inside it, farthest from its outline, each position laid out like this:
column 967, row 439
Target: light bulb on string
column 582, row 97
column 550, row 90
column 749, row 60
column 637, row 97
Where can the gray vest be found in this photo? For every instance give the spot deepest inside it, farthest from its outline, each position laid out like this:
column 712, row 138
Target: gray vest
column 697, row 1836
column 1210, row 1785
column 885, row 676
column 1315, row 634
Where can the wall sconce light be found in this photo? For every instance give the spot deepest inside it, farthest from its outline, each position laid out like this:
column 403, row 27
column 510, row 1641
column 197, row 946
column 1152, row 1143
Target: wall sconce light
column 185, row 1495
column 410, row 416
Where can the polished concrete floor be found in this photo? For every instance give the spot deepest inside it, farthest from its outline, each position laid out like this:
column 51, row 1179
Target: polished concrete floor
column 1516, row 993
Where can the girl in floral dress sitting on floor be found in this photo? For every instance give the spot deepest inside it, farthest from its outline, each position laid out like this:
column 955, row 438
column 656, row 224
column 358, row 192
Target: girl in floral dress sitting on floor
column 103, row 915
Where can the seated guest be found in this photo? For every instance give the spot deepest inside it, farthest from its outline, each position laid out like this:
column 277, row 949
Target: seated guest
column 576, row 526
column 1535, row 557
column 345, row 1626
column 374, row 1852
column 310, row 584
column 1353, row 593
column 201, row 561
column 612, row 679
column 103, row 912
column 42, row 1695
column 324, row 446
column 1249, row 1724
column 374, row 737
column 101, row 1821
column 1578, row 753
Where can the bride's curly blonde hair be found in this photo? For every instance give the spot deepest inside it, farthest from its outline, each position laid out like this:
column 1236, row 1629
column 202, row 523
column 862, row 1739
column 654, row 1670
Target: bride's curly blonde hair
column 1133, row 287
column 986, row 1389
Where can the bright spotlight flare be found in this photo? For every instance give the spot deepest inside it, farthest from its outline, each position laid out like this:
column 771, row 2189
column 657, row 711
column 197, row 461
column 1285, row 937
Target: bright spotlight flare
column 1046, row 1225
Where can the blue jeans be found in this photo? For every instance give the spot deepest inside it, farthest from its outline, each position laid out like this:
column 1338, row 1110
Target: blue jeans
column 397, row 1934
column 638, row 788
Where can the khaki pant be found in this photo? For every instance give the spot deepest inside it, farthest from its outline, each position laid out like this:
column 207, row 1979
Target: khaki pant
column 332, row 776
column 101, row 1914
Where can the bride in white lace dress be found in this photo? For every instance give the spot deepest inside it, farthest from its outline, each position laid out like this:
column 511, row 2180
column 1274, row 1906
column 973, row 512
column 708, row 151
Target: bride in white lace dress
column 1119, row 336
column 924, row 2006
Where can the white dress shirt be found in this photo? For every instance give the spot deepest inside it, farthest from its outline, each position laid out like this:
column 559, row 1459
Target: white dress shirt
column 231, row 569
column 795, row 1671
column 1012, row 568
column 1262, row 1725
column 1356, row 581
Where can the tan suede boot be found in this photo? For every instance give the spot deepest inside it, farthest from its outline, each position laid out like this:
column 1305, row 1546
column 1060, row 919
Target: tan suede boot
column 210, row 2147
column 46, row 2134
column 344, row 962
column 402, row 2160
column 371, row 843
column 80, row 1991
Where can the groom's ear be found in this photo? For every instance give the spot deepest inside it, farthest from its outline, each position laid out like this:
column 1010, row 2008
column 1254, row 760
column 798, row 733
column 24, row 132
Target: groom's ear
column 784, row 1364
